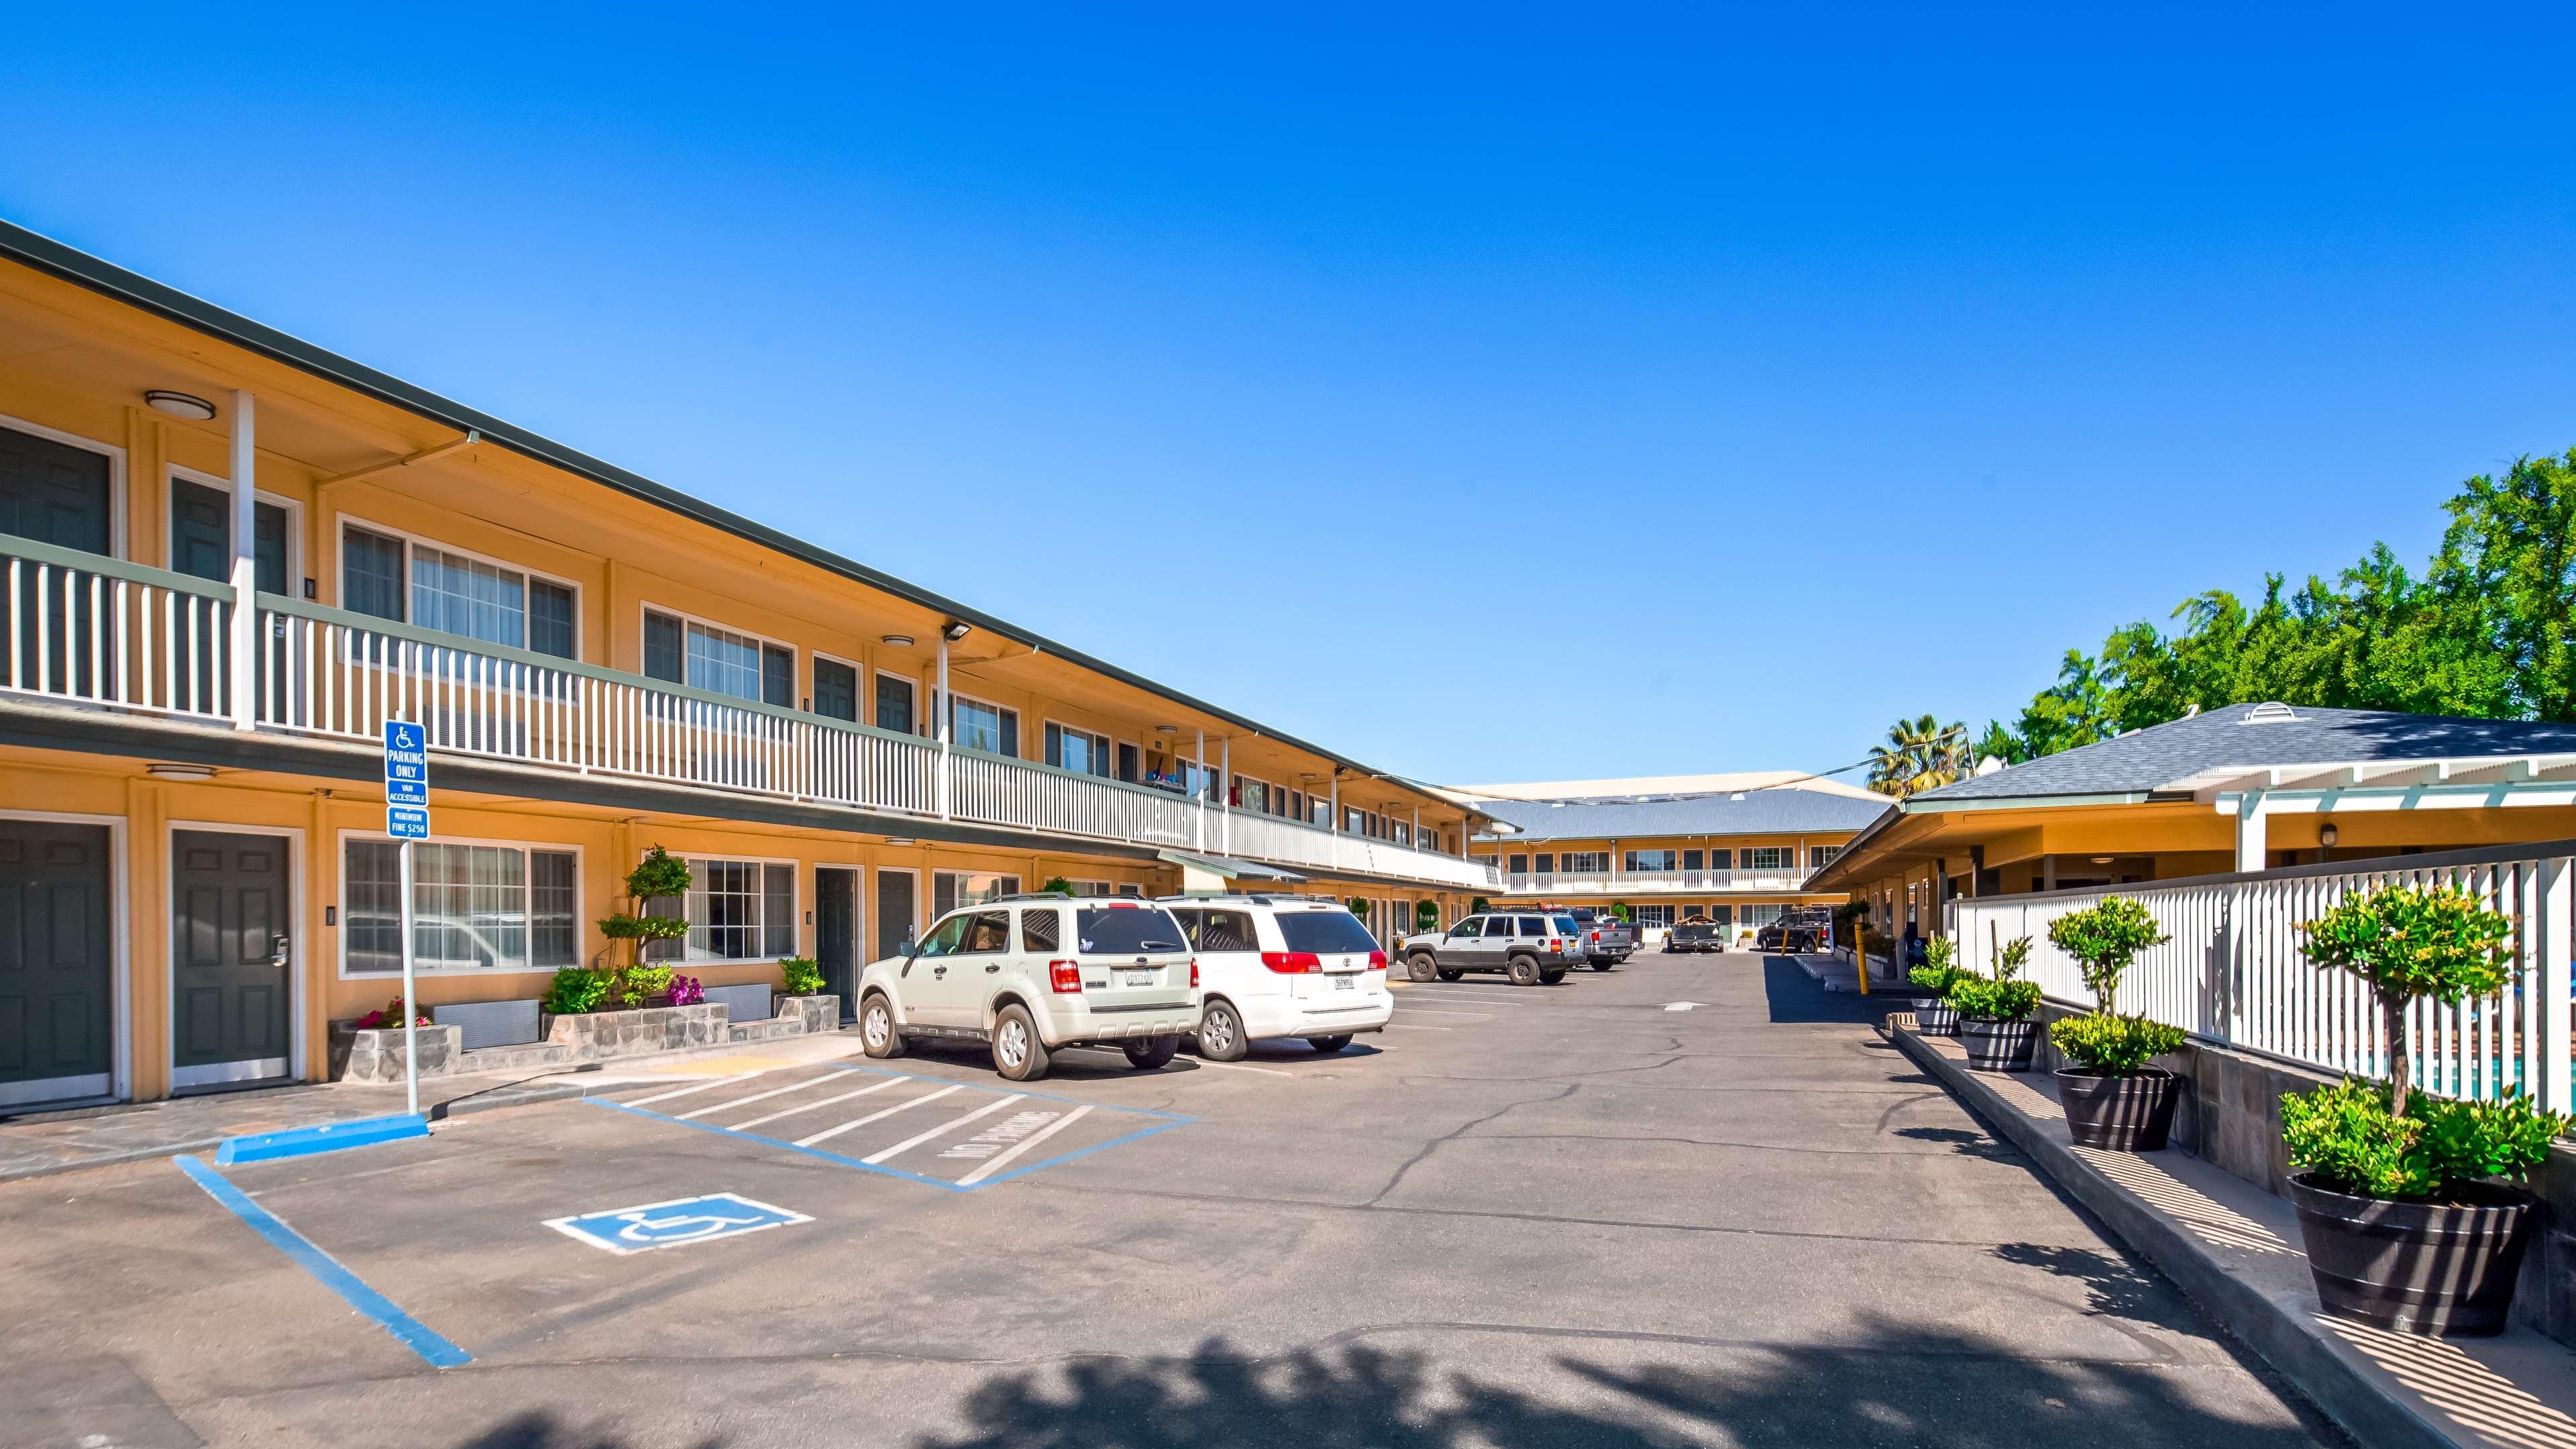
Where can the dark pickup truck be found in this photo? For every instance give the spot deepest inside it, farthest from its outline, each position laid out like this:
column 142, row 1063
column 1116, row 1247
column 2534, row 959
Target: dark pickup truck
column 1803, row 928
column 1696, row 936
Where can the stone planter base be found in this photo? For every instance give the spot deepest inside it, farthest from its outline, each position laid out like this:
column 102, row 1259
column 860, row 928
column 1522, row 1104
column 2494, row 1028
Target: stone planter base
column 2118, row 1114
column 599, row 1035
column 819, row 1013
column 376, row 1055
column 2415, row 1267
column 1998, row 1046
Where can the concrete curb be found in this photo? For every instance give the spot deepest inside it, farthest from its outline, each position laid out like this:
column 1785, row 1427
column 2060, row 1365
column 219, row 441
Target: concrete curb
column 2294, row 1345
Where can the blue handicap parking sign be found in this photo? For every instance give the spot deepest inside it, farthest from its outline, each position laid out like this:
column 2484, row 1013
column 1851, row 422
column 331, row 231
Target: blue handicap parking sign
column 406, row 763
column 670, row 1224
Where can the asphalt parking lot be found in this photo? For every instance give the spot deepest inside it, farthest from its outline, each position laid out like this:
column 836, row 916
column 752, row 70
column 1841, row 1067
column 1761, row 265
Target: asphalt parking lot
column 1582, row 1214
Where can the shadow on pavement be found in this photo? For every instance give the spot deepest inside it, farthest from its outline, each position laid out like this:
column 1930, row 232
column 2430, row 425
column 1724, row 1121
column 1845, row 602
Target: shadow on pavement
column 1794, row 996
column 537, row 1429
column 2113, row 1286
column 1965, row 1143
column 1900, row 1387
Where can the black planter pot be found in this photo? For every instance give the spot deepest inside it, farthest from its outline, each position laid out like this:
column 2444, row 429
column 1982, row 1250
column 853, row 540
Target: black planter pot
column 1998, row 1046
column 2118, row 1114
column 2416, row 1267
column 1935, row 1017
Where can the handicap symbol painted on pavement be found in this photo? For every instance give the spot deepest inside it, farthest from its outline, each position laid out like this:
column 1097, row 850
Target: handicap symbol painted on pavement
column 670, row 1224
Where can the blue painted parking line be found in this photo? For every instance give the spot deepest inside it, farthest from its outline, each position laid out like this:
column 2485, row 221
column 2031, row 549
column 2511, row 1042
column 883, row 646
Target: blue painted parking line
column 981, row 1154
column 680, row 1221
column 299, row 1250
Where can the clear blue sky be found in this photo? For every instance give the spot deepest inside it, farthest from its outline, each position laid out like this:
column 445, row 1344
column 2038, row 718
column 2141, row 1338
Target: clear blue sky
column 1387, row 376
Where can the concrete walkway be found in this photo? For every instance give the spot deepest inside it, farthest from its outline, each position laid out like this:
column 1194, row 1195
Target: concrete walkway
column 41, row 1144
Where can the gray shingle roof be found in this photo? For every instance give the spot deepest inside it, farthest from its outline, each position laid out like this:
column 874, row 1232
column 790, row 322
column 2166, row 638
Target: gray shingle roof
column 1749, row 812
column 2159, row 756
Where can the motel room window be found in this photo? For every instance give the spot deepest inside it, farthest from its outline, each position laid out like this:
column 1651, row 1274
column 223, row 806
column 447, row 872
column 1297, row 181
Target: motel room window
column 1648, row 860
column 681, row 650
column 1820, row 856
column 836, row 690
column 1766, row 857
column 950, row 889
column 1520, row 865
column 1585, row 862
column 1080, row 751
column 1546, row 863
column 387, row 576
column 1651, row 917
column 474, row 908
column 1721, row 860
column 894, row 704
column 737, row 910
column 975, row 725
column 1692, row 859
column 201, row 535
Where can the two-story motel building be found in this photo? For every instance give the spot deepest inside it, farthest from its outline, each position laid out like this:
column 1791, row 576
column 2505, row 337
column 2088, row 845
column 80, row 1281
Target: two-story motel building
column 1735, row 848
column 192, row 851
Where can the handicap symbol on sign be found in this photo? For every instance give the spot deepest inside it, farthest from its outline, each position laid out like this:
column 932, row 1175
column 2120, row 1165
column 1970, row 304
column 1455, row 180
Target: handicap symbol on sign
column 670, row 1224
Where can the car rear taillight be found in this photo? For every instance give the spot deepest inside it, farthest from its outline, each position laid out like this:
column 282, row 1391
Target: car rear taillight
column 1290, row 963
column 1065, row 976
column 1377, row 960
column 1554, row 944
column 1596, row 938
column 1194, row 970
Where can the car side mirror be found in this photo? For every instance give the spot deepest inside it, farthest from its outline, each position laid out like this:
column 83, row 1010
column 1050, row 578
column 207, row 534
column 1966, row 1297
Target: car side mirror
column 908, row 948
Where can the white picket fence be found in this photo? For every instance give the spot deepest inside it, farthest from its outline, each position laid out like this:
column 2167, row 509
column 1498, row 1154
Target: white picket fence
column 2231, row 971
column 83, row 629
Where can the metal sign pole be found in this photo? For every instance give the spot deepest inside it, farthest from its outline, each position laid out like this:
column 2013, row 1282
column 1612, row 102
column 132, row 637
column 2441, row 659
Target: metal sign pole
column 411, row 1004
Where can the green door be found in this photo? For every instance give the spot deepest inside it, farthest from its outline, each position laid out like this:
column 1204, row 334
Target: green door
column 57, row 959
column 230, row 956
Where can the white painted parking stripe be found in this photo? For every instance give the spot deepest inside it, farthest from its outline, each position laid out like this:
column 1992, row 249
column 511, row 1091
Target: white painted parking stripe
column 762, row 1096
column 701, row 1087
column 1240, row 1067
column 1392, row 1026
column 993, row 1164
column 831, row 1132
column 1435, row 1011
column 811, row 1106
column 909, row 1143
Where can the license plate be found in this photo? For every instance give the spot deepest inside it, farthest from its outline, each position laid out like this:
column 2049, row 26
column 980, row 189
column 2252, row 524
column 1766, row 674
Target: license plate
column 1347, row 983
column 1139, row 978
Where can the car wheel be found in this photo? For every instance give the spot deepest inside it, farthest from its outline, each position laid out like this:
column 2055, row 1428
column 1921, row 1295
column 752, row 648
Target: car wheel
column 1550, row 978
column 1153, row 1053
column 1221, row 1037
column 1603, row 965
column 1328, row 1044
column 1018, row 1054
column 1451, row 975
column 1523, row 970
column 1421, row 967
column 877, row 1034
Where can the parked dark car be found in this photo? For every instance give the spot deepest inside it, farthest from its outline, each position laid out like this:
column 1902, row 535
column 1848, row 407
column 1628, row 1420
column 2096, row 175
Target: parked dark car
column 1800, row 929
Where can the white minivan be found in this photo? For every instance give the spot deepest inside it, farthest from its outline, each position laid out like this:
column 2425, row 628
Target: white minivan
column 1281, row 966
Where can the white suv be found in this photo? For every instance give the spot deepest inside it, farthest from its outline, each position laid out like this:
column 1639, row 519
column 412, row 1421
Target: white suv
column 1032, row 974
column 1281, row 966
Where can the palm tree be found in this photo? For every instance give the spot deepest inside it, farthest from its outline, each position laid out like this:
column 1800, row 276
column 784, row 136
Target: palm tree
column 1920, row 754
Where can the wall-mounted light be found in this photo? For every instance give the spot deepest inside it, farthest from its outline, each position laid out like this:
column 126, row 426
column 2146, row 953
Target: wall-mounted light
column 1176, row 729
column 165, row 770
column 900, row 641
column 899, row 840
column 180, row 405
column 955, row 629
column 2101, row 860
column 2327, row 834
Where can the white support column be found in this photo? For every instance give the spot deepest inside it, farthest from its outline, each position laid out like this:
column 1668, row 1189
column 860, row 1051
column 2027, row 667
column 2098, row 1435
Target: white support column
column 2557, row 910
column 245, row 570
column 943, row 717
column 2253, row 840
column 1334, row 823
column 1225, row 800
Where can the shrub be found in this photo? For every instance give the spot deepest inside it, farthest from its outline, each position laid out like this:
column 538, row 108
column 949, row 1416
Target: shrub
column 2114, row 1046
column 804, row 977
column 1941, row 953
column 1358, row 906
column 1937, row 980
column 1057, row 886
column 2346, row 1135
column 1426, row 915
column 638, row 984
column 2011, row 957
column 687, row 991
column 1479, row 906
column 1994, row 1000
column 2411, row 943
column 2104, row 938
column 576, row 989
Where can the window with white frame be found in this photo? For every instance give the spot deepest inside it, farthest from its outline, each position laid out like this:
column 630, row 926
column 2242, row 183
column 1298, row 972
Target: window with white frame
column 1658, row 917
column 1584, row 862
column 1820, row 856
column 391, row 576
column 474, row 907
column 1127, row 888
column 737, row 910
column 1088, row 887
column 950, row 889
column 1635, row 860
column 1077, row 750
column 976, row 725
column 701, row 655
column 1764, row 857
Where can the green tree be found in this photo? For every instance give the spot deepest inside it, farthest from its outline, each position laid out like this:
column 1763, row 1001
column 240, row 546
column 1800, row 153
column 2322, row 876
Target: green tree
column 2434, row 943
column 1920, row 754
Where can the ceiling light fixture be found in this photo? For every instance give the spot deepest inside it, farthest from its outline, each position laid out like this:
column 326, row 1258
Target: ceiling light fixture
column 1176, row 729
column 2101, row 860
column 165, row 770
column 180, row 405
column 900, row 641
column 955, row 629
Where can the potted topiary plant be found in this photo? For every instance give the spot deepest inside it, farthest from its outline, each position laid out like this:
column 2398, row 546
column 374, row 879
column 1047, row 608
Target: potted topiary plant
column 2113, row 1099
column 1933, row 1014
column 1994, row 1013
column 660, row 876
column 2401, row 1207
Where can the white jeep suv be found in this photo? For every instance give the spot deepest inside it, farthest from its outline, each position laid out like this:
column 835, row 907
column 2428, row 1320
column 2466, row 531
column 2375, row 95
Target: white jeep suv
column 1033, row 974
column 1281, row 966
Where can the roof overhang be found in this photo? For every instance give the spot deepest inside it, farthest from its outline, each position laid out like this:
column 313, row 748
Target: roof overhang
column 1228, row 868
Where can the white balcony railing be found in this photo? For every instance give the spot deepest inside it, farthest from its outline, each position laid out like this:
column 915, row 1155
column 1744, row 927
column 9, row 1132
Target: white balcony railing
column 1648, row 882
column 97, row 631
column 2230, row 971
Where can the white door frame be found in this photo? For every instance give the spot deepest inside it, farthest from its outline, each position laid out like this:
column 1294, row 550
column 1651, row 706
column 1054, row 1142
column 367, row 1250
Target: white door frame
column 120, row 1072
column 222, row 1073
